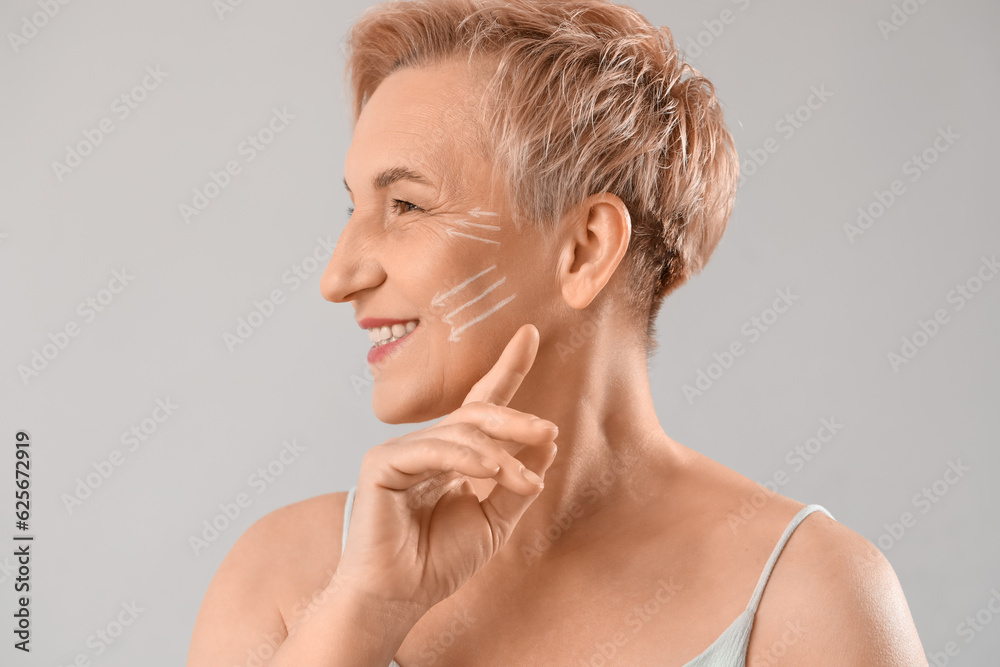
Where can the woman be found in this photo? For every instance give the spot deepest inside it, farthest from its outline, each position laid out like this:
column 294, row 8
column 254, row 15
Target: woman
column 530, row 180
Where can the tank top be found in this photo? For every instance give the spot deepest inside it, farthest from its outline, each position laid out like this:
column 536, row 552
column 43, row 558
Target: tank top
column 730, row 648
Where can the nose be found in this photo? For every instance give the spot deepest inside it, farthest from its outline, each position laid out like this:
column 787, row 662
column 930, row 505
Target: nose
column 353, row 266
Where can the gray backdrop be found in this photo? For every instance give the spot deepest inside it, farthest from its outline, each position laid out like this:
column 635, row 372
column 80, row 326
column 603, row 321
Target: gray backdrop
column 867, row 136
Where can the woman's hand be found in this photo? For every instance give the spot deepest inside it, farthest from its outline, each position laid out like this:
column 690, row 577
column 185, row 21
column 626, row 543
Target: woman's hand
column 418, row 531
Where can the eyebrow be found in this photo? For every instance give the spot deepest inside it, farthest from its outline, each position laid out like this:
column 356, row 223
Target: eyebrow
column 386, row 178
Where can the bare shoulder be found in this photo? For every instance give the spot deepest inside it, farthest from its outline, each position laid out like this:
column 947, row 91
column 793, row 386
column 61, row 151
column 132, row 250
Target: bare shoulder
column 833, row 599
column 297, row 548
column 273, row 568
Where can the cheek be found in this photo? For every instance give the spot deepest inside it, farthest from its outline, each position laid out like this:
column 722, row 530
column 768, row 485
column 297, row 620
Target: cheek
column 467, row 284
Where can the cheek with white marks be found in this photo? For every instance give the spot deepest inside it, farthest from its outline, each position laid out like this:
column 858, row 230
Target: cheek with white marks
column 470, row 299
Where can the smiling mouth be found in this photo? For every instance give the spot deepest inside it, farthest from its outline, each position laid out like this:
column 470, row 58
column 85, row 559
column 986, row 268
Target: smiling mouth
column 384, row 335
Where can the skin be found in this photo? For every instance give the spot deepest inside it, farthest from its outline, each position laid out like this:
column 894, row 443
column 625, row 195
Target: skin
column 633, row 507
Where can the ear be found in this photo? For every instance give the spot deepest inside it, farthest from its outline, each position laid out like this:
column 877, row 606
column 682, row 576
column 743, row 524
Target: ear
column 596, row 236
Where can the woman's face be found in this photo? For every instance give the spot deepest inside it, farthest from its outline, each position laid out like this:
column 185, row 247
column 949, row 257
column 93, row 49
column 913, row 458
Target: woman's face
column 430, row 241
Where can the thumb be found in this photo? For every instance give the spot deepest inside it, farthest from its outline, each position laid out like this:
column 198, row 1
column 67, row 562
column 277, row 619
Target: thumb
column 503, row 508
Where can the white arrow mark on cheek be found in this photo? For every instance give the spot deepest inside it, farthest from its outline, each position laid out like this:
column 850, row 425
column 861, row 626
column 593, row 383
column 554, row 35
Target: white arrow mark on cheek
column 447, row 318
column 439, row 298
column 454, row 232
column 454, row 332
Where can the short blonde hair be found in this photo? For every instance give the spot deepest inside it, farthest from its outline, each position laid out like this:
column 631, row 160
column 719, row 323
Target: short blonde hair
column 585, row 96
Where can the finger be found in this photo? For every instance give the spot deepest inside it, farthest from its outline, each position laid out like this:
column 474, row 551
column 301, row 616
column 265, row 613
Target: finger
column 504, row 507
column 512, row 470
column 502, row 381
column 400, row 468
column 503, row 423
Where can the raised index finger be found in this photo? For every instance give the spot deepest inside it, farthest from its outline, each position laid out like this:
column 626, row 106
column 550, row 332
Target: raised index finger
column 500, row 384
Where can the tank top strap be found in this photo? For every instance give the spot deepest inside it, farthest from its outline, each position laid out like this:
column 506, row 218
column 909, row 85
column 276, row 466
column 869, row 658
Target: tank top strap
column 789, row 529
column 348, row 506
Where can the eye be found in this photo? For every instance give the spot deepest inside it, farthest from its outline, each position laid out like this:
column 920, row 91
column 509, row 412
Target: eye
column 404, row 206
column 350, row 211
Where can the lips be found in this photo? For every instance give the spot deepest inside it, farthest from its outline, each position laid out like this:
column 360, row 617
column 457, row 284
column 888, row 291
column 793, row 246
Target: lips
column 381, row 351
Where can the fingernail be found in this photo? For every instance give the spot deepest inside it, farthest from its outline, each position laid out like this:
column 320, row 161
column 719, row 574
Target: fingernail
column 489, row 464
column 531, row 476
column 544, row 423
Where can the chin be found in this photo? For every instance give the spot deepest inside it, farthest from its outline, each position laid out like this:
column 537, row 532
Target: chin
column 405, row 404
column 398, row 407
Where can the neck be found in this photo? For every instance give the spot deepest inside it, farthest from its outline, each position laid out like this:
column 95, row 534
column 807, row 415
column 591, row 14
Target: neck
column 611, row 445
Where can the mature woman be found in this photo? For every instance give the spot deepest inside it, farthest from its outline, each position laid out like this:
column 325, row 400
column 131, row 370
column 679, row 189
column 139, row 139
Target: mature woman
column 530, row 179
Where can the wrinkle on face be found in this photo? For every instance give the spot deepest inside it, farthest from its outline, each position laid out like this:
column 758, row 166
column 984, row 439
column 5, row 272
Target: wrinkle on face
column 422, row 120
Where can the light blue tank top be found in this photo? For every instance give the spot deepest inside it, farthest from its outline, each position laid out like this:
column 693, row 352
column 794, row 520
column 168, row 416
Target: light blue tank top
column 730, row 648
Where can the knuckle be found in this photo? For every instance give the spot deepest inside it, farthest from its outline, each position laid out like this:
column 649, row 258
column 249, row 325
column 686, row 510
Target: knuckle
column 424, row 447
column 498, row 416
column 370, row 456
column 475, row 406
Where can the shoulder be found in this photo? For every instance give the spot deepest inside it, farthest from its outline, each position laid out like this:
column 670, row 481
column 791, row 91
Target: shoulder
column 277, row 562
column 283, row 558
column 295, row 549
column 315, row 521
column 833, row 599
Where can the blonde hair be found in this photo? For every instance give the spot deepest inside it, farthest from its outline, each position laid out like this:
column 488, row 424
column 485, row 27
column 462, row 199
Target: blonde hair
column 582, row 97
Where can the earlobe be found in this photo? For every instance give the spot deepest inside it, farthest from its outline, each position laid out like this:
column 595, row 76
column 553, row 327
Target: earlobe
column 597, row 237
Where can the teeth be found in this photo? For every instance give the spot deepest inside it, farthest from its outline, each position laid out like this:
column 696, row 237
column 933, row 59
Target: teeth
column 389, row 334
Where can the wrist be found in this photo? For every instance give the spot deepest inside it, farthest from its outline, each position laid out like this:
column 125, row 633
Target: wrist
column 385, row 610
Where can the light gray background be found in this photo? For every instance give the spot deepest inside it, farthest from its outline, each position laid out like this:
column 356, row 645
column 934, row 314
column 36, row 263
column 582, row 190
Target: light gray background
column 162, row 337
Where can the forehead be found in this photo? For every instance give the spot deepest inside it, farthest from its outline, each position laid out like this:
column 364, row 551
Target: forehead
column 418, row 115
